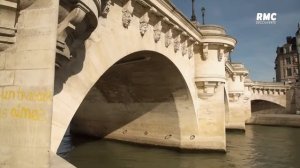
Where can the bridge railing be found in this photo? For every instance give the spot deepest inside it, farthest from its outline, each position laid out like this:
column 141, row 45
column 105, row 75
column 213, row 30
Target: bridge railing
column 273, row 88
column 261, row 83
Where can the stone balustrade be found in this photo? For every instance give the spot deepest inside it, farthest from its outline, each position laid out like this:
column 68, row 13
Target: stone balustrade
column 269, row 88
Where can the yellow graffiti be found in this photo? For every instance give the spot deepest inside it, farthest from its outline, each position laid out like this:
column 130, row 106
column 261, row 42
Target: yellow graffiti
column 21, row 95
column 23, row 112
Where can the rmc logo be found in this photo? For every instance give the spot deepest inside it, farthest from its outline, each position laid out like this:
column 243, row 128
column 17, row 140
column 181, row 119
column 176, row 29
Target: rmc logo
column 266, row 18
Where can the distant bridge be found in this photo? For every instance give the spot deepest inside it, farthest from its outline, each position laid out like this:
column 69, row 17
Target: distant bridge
column 274, row 92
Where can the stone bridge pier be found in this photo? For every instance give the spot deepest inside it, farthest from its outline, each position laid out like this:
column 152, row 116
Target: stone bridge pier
column 239, row 98
column 210, row 80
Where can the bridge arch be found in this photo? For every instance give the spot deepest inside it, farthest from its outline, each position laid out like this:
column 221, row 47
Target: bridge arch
column 96, row 62
column 276, row 99
column 109, row 43
column 266, row 107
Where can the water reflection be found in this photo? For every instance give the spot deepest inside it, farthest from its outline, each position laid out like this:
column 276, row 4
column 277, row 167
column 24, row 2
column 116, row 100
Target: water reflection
column 258, row 147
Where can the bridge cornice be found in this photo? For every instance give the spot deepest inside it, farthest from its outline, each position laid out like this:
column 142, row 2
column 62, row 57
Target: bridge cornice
column 270, row 85
column 176, row 17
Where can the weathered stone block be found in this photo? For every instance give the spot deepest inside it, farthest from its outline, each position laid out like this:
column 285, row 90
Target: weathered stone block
column 43, row 77
column 34, row 43
column 30, row 60
column 6, row 78
column 36, row 18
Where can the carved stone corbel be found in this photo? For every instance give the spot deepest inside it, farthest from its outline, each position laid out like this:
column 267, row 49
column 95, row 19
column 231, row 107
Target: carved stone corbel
column 157, row 31
column 177, row 43
column 168, row 34
column 268, row 91
column 191, row 43
column 168, row 38
column 144, row 22
column 234, row 76
column 242, row 77
column 191, row 48
column 7, row 24
column 220, row 54
column 127, row 14
column 205, row 51
column 106, row 8
column 207, row 89
column 158, row 26
column 176, row 32
column 85, row 15
column 234, row 97
column 184, row 43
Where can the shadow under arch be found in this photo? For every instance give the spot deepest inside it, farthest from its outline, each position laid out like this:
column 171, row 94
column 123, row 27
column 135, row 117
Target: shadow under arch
column 266, row 107
column 141, row 99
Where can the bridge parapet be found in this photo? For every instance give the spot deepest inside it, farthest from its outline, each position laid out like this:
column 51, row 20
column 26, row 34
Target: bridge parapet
column 269, row 88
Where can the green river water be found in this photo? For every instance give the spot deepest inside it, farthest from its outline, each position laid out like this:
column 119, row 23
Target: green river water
column 258, row 147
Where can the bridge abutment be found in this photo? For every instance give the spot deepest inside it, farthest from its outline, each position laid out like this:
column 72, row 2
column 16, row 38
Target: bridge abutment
column 27, row 54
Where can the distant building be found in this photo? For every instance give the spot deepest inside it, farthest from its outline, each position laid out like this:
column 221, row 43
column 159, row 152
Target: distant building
column 287, row 60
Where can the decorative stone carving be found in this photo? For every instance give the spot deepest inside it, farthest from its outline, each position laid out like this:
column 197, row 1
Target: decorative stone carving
column 242, row 77
column 191, row 51
column 76, row 27
column 234, row 97
column 207, row 89
column 7, row 24
column 157, row 31
column 144, row 21
column 106, row 9
column 177, row 33
column 127, row 14
column 184, row 48
column 220, row 54
column 205, row 51
column 168, row 38
column 177, row 43
column 168, row 34
column 234, row 76
column 184, row 37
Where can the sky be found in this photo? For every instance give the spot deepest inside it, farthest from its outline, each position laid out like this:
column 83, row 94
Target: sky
column 257, row 43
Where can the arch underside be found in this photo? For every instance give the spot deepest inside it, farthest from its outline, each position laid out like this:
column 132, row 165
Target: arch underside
column 142, row 98
column 276, row 99
column 262, row 106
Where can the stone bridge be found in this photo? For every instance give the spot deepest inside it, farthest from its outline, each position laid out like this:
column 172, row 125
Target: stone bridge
column 131, row 70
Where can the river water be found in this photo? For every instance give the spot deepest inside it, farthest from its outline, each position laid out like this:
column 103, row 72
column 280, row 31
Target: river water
column 258, row 147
